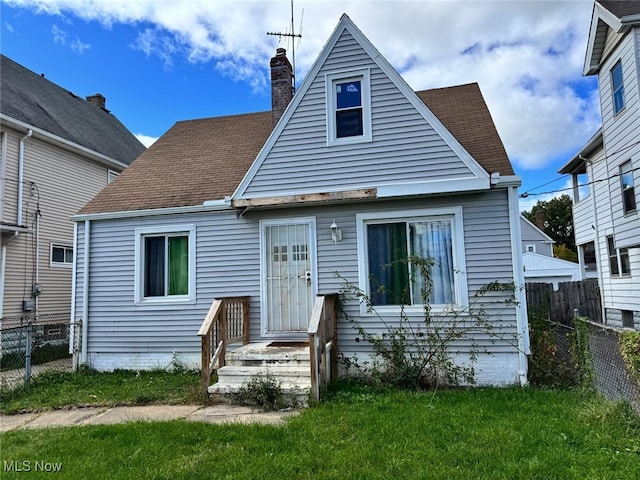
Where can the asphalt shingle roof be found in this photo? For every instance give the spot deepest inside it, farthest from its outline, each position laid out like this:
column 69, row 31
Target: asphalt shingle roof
column 621, row 8
column 205, row 159
column 38, row 102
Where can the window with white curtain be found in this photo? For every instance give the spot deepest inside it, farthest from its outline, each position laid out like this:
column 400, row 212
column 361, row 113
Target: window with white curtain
column 391, row 242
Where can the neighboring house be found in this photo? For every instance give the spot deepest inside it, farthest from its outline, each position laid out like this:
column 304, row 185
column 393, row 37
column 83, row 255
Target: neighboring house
column 534, row 240
column 352, row 172
column 606, row 218
column 58, row 151
column 539, row 264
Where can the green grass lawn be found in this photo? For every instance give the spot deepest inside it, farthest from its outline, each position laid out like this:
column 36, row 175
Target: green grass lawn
column 90, row 388
column 360, row 434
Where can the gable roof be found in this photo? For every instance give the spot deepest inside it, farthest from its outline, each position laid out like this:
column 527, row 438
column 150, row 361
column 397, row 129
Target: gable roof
column 464, row 113
column 615, row 15
column 201, row 160
column 39, row 103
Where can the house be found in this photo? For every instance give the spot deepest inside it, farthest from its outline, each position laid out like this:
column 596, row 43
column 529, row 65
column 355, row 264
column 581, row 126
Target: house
column 58, row 151
column 353, row 171
column 606, row 170
column 540, row 266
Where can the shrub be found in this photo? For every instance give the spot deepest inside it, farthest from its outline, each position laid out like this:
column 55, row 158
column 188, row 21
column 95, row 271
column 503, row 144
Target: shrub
column 417, row 355
column 263, row 393
column 630, row 351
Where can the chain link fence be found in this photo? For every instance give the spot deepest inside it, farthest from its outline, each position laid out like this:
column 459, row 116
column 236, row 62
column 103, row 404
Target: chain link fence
column 33, row 344
column 611, row 376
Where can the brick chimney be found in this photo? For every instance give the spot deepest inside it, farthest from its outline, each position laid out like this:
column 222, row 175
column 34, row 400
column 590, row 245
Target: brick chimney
column 98, row 100
column 540, row 220
column 281, row 84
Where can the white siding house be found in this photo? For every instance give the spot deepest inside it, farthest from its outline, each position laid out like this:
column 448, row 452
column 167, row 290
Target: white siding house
column 281, row 212
column 607, row 222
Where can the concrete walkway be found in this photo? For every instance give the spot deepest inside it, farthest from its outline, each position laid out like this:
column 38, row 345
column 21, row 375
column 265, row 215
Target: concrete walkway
column 150, row 413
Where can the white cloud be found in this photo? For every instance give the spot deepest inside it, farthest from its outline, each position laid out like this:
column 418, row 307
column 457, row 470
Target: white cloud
column 79, row 47
column 526, row 55
column 9, row 27
column 60, row 36
column 146, row 140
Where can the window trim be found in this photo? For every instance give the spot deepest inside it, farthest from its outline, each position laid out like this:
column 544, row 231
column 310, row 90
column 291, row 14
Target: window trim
column 64, row 264
column 617, row 254
column 140, row 233
column 112, row 175
column 530, row 247
column 614, row 90
column 364, row 76
column 459, row 269
column 632, row 188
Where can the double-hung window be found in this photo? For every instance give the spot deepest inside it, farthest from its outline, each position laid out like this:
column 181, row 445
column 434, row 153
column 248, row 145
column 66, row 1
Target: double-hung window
column 626, row 183
column 348, row 107
column 617, row 86
column 619, row 264
column 165, row 264
column 414, row 259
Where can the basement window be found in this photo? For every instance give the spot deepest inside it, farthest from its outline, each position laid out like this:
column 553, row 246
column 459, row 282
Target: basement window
column 348, row 107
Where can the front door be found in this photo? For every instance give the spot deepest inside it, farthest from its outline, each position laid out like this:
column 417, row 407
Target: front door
column 288, row 269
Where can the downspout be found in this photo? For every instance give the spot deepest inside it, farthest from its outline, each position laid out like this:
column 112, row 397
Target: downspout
column 522, row 321
column 21, row 176
column 3, row 246
column 596, row 239
column 85, row 294
column 72, row 317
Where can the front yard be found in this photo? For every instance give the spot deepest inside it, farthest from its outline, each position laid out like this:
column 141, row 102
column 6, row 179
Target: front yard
column 519, row 433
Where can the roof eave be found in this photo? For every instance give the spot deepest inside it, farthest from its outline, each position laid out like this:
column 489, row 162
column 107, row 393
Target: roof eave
column 577, row 160
column 63, row 143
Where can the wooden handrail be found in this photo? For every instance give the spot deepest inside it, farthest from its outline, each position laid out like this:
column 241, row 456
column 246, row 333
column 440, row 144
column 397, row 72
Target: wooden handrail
column 323, row 343
column 226, row 322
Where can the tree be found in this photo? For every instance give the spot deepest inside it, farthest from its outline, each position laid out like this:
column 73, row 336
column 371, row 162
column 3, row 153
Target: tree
column 557, row 219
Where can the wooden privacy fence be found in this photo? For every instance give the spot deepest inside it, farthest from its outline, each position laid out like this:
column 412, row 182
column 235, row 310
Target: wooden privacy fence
column 559, row 305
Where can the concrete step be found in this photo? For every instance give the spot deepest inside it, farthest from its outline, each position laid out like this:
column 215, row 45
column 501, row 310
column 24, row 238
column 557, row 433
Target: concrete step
column 264, row 354
column 224, row 388
column 284, row 374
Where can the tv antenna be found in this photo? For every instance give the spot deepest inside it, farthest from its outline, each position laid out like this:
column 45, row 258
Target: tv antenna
column 292, row 35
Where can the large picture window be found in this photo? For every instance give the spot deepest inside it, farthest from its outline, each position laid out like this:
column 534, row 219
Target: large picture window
column 165, row 264
column 390, row 276
column 348, row 112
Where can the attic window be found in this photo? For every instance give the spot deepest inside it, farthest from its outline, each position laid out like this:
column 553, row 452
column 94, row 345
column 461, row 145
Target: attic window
column 348, row 108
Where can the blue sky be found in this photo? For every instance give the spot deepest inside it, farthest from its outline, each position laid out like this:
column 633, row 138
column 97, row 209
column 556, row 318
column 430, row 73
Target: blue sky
column 159, row 61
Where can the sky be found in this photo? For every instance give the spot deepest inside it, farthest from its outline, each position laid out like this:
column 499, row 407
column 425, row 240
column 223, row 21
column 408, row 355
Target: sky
column 161, row 61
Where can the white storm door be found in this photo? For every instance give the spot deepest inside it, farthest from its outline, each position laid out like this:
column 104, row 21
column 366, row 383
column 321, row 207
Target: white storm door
column 289, row 278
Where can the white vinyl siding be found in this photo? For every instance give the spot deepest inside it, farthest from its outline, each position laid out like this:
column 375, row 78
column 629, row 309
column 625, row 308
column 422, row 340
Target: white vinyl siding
column 228, row 264
column 404, row 146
